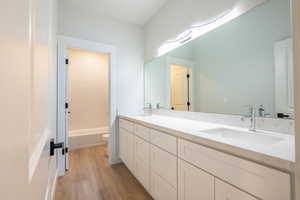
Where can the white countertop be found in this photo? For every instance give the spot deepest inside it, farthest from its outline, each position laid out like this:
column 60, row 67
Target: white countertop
column 279, row 155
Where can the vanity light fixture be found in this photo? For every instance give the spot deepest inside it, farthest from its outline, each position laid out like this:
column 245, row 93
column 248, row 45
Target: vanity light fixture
column 197, row 30
column 194, row 32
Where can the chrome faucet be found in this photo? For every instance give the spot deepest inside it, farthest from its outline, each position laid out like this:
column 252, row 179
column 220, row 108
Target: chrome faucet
column 252, row 116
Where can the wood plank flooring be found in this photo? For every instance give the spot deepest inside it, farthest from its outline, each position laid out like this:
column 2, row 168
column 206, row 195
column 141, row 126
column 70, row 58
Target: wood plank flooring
column 92, row 178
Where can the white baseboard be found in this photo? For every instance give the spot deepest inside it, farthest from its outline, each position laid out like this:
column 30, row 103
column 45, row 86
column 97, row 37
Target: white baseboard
column 86, row 138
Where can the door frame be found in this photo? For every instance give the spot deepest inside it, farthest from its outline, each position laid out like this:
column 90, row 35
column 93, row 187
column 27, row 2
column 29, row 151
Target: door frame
column 63, row 44
column 187, row 63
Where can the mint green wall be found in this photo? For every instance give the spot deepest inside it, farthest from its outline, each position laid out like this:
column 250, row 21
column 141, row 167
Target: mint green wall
column 155, row 82
column 235, row 62
column 156, row 86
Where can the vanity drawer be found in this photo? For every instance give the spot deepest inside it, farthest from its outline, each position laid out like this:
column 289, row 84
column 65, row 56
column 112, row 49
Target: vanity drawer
column 258, row 180
column 142, row 132
column 225, row 191
column 127, row 125
column 164, row 141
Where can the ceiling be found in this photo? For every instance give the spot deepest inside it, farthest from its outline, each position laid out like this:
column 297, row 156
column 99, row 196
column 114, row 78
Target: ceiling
column 131, row 11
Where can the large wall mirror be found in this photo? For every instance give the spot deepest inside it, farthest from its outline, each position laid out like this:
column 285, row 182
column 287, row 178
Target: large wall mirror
column 247, row 61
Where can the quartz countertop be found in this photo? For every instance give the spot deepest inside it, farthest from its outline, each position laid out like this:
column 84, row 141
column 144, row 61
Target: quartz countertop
column 279, row 155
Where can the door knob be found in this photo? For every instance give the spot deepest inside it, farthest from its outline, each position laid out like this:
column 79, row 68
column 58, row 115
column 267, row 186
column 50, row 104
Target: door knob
column 54, row 146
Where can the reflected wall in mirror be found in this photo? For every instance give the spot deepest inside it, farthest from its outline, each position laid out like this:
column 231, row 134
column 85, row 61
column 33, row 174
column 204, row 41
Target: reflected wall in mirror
column 247, row 61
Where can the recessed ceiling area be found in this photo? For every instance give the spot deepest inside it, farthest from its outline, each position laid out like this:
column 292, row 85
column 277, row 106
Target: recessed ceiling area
column 131, row 11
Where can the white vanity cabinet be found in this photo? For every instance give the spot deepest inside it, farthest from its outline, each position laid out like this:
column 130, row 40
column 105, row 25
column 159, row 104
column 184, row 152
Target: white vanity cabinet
column 126, row 148
column 260, row 181
column 163, row 167
column 160, row 189
column 146, row 152
column 142, row 162
column 164, row 141
column 171, row 168
column 225, row 191
column 194, row 183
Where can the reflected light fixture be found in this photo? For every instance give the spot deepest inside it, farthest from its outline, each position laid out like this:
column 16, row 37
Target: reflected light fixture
column 199, row 29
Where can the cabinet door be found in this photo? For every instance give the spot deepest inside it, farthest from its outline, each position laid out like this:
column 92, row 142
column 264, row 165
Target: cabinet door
column 126, row 148
column 225, row 191
column 130, row 154
column 194, row 183
column 261, row 181
column 142, row 162
column 122, row 145
column 161, row 189
column 164, row 164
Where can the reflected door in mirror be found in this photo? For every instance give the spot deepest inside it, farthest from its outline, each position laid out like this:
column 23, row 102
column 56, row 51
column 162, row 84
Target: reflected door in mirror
column 180, row 91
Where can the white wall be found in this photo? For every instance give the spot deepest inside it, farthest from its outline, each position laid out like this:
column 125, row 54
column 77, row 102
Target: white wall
column 88, row 74
column 127, row 38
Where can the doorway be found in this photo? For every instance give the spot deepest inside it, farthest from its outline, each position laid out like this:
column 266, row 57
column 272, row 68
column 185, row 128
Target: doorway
column 180, row 87
column 87, row 94
column 86, row 97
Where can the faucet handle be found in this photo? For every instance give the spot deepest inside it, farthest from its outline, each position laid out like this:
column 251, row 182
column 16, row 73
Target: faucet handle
column 158, row 106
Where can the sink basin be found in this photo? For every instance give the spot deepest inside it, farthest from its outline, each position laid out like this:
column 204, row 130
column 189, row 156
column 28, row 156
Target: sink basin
column 259, row 138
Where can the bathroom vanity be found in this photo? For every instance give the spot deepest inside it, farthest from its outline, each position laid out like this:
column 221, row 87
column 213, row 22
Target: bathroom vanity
column 181, row 159
column 233, row 85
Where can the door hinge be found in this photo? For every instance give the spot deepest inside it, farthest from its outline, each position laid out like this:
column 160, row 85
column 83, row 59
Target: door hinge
column 66, row 105
column 188, row 75
column 65, row 151
column 66, row 61
column 54, row 146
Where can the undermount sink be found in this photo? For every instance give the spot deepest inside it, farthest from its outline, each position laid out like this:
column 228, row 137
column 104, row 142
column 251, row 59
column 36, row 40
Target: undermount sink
column 244, row 136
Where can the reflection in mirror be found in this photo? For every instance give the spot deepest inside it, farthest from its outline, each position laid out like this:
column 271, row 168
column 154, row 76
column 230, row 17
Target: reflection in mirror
column 247, row 61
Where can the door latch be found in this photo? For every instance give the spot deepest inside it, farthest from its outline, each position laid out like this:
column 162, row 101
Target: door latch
column 54, row 146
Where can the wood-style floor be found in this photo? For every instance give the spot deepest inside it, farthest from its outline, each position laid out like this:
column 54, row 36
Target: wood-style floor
column 92, row 178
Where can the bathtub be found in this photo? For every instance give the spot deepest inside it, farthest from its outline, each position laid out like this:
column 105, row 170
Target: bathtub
column 87, row 137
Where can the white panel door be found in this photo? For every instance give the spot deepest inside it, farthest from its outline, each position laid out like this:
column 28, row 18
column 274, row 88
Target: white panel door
column 225, row 191
column 193, row 183
column 179, row 87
